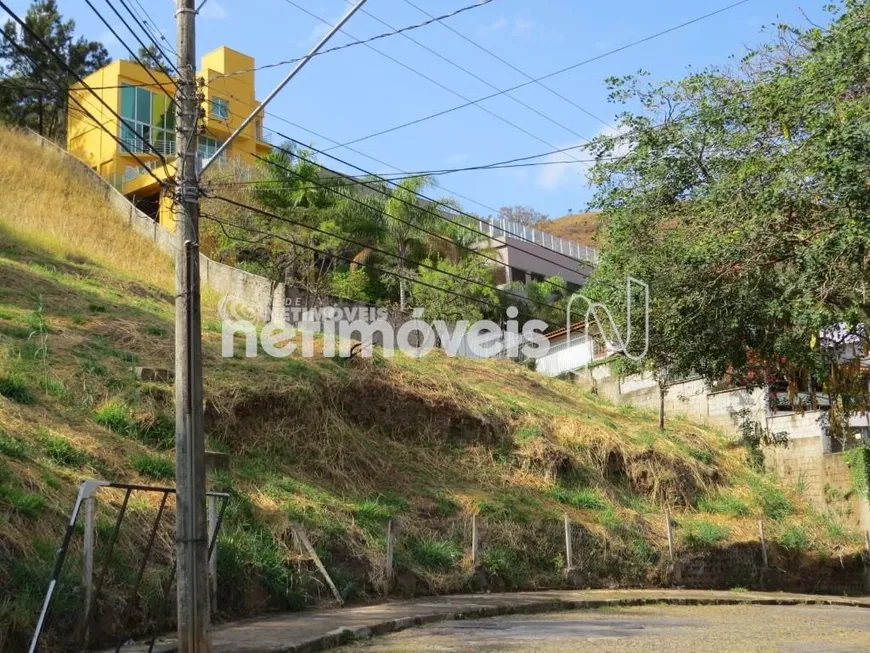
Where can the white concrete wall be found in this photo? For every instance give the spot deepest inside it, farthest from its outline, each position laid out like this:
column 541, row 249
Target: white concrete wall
column 566, row 356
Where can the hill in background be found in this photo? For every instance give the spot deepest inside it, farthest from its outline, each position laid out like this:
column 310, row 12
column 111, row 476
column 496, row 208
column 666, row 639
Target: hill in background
column 338, row 446
column 579, row 227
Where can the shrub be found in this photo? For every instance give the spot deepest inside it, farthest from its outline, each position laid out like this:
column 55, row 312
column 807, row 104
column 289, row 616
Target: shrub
column 372, row 512
column 724, row 505
column 157, row 432
column 504, row 562
column 27, row 503
column 583, row 498
column 13, row 386
column 116, row 417
column 446, row 506
column 56, row 388
column 154, row 467
column 63, row 452
column 773, row 502
column 701, row 455
column 794, row 538
column 12, row 448
column 698, row 533
column 505, row 508
column 432, row 553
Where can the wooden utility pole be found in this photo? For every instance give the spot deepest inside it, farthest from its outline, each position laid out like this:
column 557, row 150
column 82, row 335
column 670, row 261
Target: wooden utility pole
column 191, row 533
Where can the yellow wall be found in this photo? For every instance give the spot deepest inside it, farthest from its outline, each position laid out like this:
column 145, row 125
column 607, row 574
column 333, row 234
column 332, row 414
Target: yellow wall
column 87, row 140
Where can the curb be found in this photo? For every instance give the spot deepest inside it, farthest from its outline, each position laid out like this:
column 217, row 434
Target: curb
column 344, row 635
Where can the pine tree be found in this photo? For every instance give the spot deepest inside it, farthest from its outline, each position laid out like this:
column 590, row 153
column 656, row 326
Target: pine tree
column 34, row 92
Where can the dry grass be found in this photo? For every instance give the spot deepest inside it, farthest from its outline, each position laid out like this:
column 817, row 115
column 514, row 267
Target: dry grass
column 46, row 202
column 338, row 446
column 579, row 227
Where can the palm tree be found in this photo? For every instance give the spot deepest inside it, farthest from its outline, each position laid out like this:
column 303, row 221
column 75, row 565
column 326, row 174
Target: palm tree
column 405, row 219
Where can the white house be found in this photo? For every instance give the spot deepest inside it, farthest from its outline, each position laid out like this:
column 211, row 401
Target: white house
column 570, row 350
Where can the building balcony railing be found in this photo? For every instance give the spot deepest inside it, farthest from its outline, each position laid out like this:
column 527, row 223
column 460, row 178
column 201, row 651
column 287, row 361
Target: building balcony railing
column 139, row 145
column 499, row 228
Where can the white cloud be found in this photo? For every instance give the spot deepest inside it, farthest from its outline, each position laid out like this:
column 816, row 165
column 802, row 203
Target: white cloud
column 562, row 175
column 523, row 26
column 319, row 31
column 495, row 26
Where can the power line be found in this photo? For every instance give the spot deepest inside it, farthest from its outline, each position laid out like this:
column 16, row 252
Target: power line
column 427, row 199
column 378, row 250
column 141, row 43
column 135, row 58
column 541, row 78
column 75, row 75
column 478, row 78
column 448, row 171
column 349, row 259
column 162, row 52
column 344, row 46
column 439, row 84
column 513, row 67
column 420, row 228
column 414, row 205
column 153, row 24
column 354, row 150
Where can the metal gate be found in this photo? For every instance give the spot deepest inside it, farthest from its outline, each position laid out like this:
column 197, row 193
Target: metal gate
column 86, row 498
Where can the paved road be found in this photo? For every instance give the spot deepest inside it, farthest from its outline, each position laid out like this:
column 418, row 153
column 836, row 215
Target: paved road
column 662, row 629
column 317, row 630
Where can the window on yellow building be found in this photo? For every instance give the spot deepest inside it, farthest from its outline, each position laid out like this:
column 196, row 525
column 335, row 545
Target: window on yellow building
column 208, row 146
column 148, row 120
column 220, row 108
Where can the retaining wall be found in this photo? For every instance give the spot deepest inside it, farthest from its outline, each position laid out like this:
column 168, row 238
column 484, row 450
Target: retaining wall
column 254, row 292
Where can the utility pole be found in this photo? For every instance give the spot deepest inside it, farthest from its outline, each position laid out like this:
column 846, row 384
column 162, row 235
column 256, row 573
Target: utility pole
column 191, row 542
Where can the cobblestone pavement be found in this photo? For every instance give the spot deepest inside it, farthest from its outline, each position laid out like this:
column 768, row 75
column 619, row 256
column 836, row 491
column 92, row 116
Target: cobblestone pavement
column 657, row 628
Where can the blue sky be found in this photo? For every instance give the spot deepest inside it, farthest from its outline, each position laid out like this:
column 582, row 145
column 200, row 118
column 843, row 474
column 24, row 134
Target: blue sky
column 351, row 93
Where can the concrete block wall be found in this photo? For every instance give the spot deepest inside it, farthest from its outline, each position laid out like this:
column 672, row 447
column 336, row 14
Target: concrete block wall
column 689, row 398
column 806, row 462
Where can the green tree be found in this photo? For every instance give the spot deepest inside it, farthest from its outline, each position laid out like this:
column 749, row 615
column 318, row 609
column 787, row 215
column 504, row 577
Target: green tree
column 153, row 57
column 40, row 97
column 464, row 293
column 741, row 194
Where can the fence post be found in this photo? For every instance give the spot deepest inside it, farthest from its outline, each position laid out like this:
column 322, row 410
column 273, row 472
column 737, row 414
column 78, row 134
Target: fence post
column 763, row 543
column 475, row 543
column 670, row 528
column 569, row 553
column 391, row 539
column 88, row 552
column 212, row 561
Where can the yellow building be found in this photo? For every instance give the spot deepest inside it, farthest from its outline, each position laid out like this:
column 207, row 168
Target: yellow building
column 149, row 124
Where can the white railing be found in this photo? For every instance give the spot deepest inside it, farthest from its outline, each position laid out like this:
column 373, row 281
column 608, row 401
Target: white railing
column 500, row 227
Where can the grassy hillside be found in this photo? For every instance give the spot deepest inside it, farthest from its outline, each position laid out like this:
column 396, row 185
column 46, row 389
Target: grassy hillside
column 579, row 227
column 339, row 446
